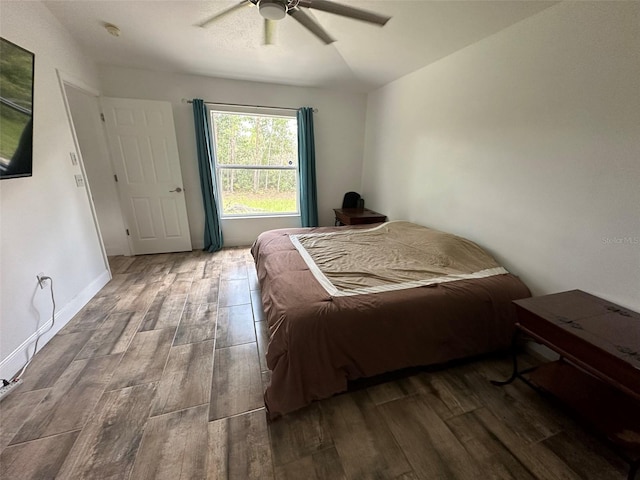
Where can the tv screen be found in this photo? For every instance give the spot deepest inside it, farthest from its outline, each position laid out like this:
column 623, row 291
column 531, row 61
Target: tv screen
column 16, row 110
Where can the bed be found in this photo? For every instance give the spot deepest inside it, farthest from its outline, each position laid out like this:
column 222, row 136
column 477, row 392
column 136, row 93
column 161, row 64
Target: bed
column 345, row 303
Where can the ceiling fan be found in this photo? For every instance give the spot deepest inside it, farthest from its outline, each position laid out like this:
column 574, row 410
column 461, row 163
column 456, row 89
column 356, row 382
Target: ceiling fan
column 274, row 10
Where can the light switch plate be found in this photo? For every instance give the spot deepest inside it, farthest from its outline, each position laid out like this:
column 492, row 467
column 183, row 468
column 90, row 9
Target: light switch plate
column 74, row 158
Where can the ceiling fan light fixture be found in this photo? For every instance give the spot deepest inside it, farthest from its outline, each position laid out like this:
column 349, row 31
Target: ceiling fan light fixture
column 272, row 9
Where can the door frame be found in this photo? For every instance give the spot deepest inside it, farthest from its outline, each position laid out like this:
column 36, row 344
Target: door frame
column 68, row 80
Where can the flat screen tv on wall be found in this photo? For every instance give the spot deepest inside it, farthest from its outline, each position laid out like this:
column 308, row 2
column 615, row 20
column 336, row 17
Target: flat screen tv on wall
column 16, row 110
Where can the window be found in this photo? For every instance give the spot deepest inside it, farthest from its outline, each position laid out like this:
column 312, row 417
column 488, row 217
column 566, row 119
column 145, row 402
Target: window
column 256, row 163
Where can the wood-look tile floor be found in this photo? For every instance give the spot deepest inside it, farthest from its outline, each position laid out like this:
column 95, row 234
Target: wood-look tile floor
column 161, row 376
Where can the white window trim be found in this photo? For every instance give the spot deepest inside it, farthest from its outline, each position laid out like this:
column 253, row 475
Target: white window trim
column 264, row 112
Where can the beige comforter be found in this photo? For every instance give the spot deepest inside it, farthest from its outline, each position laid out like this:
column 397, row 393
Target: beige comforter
column 391, row 256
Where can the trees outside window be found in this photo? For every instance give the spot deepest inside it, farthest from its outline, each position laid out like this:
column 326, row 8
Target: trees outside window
column 256, row 163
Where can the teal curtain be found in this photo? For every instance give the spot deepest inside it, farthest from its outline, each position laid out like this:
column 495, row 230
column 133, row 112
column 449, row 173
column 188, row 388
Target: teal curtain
column 206, row 154
column 307, row 163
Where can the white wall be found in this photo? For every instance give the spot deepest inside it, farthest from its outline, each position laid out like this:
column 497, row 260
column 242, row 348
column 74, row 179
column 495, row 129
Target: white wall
column 527, row 142
column 339, row 134
column 46, row 222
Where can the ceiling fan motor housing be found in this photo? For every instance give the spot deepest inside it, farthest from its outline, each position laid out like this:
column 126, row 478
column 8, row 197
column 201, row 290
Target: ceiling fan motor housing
column 273, row 9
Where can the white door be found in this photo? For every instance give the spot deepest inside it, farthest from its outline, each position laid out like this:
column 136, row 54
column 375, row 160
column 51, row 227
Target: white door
column 142, row 141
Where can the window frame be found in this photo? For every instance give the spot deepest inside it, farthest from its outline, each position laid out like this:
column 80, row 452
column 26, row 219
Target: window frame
column 259, row 112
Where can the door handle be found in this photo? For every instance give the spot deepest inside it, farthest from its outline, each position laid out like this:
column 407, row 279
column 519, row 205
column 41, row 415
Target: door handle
column 178, row 189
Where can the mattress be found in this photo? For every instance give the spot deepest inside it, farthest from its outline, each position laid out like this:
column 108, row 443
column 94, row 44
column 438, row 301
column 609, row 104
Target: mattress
column 334, row 317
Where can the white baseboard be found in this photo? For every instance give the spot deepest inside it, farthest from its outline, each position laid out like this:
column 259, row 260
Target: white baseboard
column 16, row 359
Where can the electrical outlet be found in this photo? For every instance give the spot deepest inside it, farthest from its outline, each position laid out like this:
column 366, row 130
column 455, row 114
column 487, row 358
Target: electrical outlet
column 79, row 181
column 5, row 389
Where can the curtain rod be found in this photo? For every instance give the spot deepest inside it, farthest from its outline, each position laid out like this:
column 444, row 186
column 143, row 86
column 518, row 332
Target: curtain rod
column 184, row 100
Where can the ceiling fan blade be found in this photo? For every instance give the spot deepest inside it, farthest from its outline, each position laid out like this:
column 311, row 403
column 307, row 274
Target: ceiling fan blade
column 345, row 11
column 269, row 31
column 310, row 24
column 225, row 12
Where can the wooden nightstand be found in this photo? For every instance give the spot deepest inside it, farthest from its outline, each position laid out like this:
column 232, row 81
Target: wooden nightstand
column 598, row 374
column 357, row 216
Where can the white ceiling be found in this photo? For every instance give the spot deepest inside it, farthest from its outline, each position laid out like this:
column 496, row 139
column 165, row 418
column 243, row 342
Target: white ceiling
column 163, row 35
